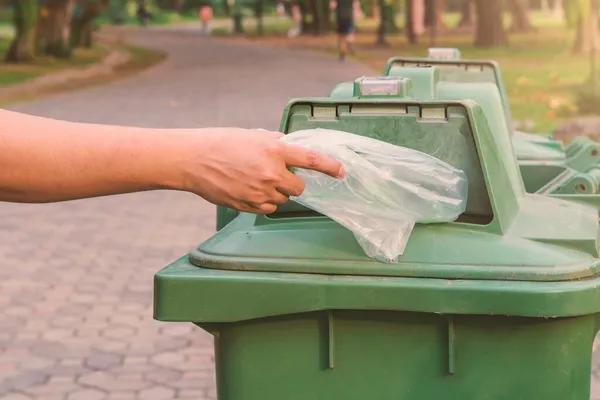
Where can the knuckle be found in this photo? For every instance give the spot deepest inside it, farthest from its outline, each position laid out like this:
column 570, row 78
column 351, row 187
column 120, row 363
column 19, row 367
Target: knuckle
column 268, row 176
column 257, row 199
column 274, row 148
column 312, row 158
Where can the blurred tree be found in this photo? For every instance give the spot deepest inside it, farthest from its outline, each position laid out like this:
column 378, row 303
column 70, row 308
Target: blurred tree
column 583, row 15
column 467, row 12
column 117, row 11
column 258, row 12
column 387, row 14
column 381, row 30
column 55, row 28
column 387, row 20
column 320, row 16
column 409, row 26
column 434, row 18
column 237, row 13
column 490, row 29
column 176, row 5
column 325, row 17
column 226, row 7
column 22, row 48
column 83, row 20
column 434, row 11
column 305, row 16
column 519, row 11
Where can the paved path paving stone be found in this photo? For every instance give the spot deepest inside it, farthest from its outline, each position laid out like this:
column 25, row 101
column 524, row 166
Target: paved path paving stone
column 76, row 277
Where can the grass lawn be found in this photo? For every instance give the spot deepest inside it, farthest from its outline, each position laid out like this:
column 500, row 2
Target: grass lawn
column 15, row 73
column 158, row 18
column 540, row 73
column 141, row 58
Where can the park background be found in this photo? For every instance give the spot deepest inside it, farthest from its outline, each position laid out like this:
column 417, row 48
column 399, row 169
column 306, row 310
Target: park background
column 546, row 48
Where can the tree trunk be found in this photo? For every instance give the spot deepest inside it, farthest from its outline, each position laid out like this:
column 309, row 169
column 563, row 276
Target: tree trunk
column 325, row 17
column 315, row 12
column 490, row 29
column 587, row 37
column 305, row 23
column 258, row 13
column 82, row 25
column 418, row 11
column 429, row 12
column 176, row 6
column 381, row 31
column 440, row 10
column 226, row 8
column 520, row 16
column 434, row 18
column 434, row 13
column 238, row 23
column 22, row 48
column 467, row 18
column 435, row 23
column 410, row 22
column 387, row 20
column 55, row 28
column 321, row 17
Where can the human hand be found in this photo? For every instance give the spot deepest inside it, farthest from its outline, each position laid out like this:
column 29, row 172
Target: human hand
column 247, row 170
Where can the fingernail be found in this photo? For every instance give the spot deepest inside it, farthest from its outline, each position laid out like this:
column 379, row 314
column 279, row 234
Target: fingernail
column 341, row 173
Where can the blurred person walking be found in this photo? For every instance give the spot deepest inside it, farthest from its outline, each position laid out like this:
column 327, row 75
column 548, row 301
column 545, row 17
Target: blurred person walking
column 142, row 13
column 206, row 15
column 296, row 14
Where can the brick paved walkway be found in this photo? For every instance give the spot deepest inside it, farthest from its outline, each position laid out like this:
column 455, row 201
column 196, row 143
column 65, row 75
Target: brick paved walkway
column 76, row 278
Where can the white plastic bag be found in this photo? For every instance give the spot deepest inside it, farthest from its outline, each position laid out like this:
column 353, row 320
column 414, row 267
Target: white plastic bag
column 386, row 190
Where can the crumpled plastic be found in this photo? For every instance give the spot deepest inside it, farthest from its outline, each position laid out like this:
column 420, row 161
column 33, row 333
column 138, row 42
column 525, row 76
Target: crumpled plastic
column 386, row 189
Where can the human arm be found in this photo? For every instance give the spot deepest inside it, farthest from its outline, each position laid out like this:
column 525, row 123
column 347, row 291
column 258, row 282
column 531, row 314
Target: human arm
column 45, row 160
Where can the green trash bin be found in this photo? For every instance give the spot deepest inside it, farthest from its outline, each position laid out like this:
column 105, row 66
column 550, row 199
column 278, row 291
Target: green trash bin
column 551, row 177
column 501, row 304
column 581, row 155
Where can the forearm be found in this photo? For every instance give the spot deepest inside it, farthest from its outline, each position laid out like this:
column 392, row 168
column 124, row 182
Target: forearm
column 44, row 160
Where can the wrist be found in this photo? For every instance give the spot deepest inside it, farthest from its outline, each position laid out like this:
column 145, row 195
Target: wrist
column 168, row 155
column 182, row 153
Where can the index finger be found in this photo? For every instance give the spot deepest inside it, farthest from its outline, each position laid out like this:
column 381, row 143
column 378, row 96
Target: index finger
column 299, row 157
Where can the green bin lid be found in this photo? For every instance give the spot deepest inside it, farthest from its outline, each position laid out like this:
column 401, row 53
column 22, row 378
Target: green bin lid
column 453, row 69
column 466, row 71
column 426, row 83
column 504, row 233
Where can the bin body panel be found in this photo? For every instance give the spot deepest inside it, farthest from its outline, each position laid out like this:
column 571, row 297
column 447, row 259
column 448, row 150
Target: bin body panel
column 410, row 356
